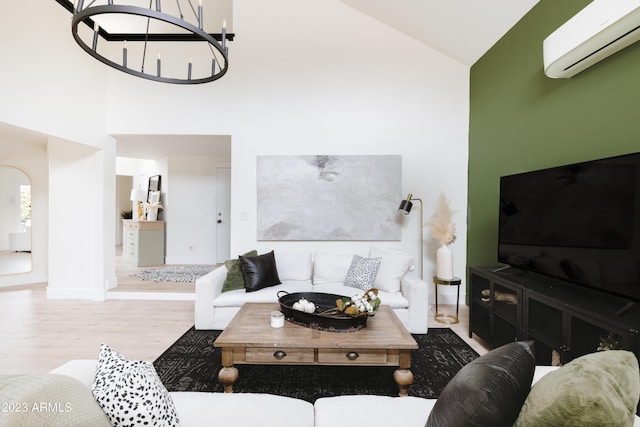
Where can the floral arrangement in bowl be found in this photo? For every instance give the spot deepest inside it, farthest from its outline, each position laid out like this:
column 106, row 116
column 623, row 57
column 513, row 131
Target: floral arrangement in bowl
column 360, row 305
column 365, row 304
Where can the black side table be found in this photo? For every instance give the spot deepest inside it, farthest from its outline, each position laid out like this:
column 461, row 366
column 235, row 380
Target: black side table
column 448, row 319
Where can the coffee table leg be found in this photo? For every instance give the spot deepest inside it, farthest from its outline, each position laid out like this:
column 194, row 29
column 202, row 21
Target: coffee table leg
column 403, row 376
column 228, row 374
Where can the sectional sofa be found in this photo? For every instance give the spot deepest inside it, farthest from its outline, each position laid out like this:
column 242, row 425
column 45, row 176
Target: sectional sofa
column 398, row 286
column 501, row 388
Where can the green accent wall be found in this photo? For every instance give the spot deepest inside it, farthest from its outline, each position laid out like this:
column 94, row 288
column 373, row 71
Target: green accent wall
column 521, row 120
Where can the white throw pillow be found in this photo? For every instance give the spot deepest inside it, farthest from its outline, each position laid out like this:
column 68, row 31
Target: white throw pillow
column 130, row 392
column 393, row 266
column 294, row 267
column 330, row 268
column 362, row 272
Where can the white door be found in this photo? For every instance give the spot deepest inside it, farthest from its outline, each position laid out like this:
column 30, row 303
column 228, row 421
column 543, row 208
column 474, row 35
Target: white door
column 223, row 214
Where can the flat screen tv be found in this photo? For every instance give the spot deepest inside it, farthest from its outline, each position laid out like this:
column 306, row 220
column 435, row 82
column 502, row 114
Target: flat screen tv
column 579, row 223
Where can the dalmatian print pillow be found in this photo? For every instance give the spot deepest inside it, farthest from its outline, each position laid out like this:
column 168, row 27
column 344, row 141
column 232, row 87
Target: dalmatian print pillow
column 131, row 393
column 362, row 273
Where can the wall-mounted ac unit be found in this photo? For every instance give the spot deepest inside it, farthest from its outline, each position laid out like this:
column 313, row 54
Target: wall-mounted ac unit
column 596, row 32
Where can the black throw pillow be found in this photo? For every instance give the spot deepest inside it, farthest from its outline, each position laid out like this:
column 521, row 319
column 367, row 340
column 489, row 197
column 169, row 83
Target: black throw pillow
column 489, row 391
column 259, row 271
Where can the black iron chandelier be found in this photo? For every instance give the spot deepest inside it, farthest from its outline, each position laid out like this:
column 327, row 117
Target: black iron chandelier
column 148, row 40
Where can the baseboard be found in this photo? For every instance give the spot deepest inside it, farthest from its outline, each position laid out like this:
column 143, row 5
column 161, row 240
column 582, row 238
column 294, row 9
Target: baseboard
column 164, row 296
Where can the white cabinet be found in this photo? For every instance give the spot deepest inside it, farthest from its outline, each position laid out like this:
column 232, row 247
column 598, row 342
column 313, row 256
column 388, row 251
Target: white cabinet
column 143, row 242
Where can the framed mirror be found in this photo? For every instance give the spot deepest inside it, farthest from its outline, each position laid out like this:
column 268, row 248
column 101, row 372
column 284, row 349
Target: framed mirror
column 154, row 186
column 15, row 221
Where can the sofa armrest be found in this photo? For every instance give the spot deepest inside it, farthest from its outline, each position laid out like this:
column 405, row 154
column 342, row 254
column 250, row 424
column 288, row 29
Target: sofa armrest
column 415, row 291
column 83, row 370
column 208, row 287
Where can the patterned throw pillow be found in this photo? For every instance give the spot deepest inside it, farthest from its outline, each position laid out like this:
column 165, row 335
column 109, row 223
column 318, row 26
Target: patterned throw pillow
column 130, row 392
column 362, row 273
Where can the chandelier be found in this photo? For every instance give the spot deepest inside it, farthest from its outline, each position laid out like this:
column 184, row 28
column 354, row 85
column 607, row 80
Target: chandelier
column 148, row 39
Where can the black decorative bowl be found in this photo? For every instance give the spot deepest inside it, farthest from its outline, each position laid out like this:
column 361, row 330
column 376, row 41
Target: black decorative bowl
column 318, row 320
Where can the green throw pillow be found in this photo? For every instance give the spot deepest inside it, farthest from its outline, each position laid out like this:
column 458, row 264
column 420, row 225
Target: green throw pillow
column 599, row 389
column 234, row 279
column 35, row 400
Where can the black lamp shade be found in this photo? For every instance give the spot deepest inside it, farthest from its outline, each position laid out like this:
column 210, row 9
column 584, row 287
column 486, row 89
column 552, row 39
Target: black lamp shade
column 405, row 207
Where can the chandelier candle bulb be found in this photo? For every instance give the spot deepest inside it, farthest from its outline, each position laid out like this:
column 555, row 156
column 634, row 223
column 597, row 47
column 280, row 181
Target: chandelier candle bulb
column 159, row 65
column 124, row 54
column 224, row 34
column 158, row 6
column 200, row 17
column 95, row 35
column 189, row 70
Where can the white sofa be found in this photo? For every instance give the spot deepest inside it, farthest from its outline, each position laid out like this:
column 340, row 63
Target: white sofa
column 197, row 409
column 230, row 409
column 318, row 272
column 503, row 385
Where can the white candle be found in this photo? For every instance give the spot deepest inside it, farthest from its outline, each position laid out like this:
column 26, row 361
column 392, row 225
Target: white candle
column 277, row 319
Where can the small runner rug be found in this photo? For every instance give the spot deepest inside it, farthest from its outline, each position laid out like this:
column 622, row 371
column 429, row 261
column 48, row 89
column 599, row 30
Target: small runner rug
column 187, row 273
column 192, row 364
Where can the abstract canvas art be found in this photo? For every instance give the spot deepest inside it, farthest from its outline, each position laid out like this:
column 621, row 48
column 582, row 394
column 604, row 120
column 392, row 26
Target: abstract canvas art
column 324, row 197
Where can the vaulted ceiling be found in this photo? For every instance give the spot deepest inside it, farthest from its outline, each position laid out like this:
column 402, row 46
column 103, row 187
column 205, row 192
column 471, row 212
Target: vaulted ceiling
column 461, row 29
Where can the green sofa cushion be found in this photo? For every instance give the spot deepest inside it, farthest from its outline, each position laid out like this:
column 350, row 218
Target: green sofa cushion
column 597, row 389
column 234, row 279
column 48, row 400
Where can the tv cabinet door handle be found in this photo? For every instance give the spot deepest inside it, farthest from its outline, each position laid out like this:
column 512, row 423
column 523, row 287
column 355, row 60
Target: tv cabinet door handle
column 279, row 354
column 352, row 355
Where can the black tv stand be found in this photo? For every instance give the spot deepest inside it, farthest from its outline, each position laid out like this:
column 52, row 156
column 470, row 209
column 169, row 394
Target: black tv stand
column 563, row 319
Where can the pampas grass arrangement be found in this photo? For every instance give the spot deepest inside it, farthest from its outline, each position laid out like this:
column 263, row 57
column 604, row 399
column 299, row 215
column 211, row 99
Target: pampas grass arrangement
column 442, row 228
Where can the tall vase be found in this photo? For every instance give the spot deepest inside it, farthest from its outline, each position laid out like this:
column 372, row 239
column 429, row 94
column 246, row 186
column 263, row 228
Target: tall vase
column 444, row 263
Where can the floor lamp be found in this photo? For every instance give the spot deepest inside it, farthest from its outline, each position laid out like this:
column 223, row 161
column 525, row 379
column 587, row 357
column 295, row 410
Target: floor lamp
column 405, row 208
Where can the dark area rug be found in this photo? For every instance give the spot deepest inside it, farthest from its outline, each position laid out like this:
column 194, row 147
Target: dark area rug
column 192, row 364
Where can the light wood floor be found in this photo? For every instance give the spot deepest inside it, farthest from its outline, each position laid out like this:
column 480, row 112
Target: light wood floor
column 39, row 334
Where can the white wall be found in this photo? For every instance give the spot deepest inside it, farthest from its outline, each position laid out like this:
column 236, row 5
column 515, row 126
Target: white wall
column 305, row 77
column 51, row 86
column 317, row 77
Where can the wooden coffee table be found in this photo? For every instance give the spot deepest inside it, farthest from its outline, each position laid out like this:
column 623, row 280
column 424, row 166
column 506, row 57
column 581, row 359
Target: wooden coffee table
column 250, row 339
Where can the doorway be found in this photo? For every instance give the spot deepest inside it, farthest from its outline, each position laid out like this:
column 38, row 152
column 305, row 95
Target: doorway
column 223, row 214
